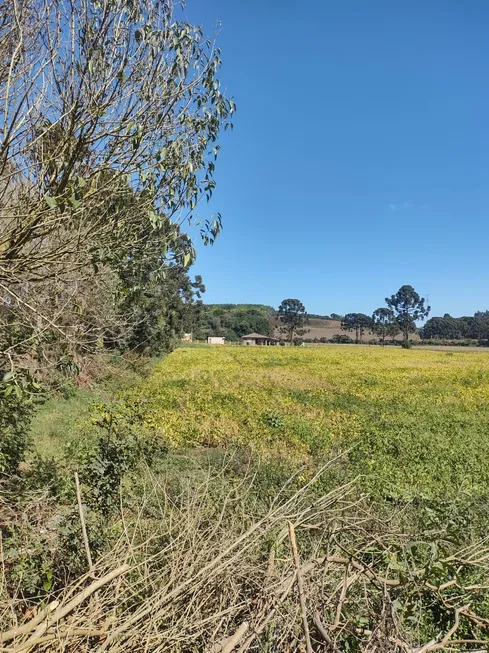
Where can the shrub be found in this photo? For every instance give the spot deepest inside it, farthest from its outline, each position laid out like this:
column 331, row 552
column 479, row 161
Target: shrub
column 123, row 439
column 17, row 402
column 340, row 338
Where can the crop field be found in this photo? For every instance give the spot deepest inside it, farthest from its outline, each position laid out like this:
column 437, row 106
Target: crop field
column 412, row 423
column 219, row 471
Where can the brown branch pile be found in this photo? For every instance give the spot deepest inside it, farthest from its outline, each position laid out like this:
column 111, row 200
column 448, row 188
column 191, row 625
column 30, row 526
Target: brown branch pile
column 209, row 567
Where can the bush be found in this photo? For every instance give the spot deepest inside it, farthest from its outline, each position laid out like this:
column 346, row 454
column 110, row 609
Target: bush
column 443, row 342
column 17, row 402
column 123, row 439
column 407, row 344
column 340, row 338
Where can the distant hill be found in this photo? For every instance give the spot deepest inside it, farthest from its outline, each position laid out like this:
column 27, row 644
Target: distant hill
column 236, row 320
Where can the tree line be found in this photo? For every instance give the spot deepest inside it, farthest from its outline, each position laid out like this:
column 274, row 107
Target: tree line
column 475, row 327
column 403, row 309
column 231, row 321
column 110, row 114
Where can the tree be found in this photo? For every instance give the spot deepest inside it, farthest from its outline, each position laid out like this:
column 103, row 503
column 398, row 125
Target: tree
column 447, row 327
column 357, row 322
column 408, row 307
column 105, row 153
column 393, row 330
column 382, row 320
column 160, row 309
column 293, row 318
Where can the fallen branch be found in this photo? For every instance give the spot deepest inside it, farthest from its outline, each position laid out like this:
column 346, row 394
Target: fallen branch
column 82, row 521
column 66, row 609
column 19, row 631
column 300, row 586
column 228, row 644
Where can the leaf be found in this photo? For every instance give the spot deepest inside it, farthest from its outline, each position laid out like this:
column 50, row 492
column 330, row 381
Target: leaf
column 50, row 201
column 186, row 259
column 8, row 391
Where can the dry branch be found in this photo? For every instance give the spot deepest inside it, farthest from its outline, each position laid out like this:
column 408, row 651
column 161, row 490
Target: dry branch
column 300, row 586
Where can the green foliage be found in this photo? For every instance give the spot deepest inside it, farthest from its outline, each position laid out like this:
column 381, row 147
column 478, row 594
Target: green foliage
column 339, row 338
column 96, row 199
column 18, row 395
column 457, row 328
column 28, row 559
column 232, row 321
column 121, row 441
column 358, row 322
column 164, row 304
column 408, row 307
column 293, row 318
column 383, row 323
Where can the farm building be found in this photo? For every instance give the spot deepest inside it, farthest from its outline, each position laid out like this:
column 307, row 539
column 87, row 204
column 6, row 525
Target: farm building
column 257, row 339
column 215, row 340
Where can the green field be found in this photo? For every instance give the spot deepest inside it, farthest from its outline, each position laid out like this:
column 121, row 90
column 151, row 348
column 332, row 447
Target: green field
column 415, row 423
column 195, row 472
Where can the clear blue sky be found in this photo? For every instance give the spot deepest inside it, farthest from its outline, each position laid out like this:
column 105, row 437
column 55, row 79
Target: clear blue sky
column 360, row 155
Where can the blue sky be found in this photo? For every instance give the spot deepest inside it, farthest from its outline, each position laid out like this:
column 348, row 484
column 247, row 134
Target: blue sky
column 360, row 155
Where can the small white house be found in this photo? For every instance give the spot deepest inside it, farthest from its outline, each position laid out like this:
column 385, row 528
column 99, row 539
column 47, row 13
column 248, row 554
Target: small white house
column 215, row 340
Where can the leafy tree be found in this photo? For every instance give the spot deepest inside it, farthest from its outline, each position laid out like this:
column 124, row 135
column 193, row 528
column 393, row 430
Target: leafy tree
column 479, row 325
column 446, row 327
column 339, row 339
column 393, row 330
column 293, row 318
column 357, row 322
column 105, row 153
column 408, row 307
column 162, row 309
column 382, row 321
column 234, row 320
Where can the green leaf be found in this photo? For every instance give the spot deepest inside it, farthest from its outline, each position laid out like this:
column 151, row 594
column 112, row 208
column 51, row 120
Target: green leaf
column 50, row 201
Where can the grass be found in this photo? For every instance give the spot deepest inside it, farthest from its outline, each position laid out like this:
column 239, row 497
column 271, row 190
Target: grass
column 60, row 419
column 63, row 416
column 416, row 421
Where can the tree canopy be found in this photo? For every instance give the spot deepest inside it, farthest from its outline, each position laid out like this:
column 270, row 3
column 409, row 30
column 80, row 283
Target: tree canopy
column 358, row 322
column 383, row 322
column 293, row 318
column 106, row 156
column 408, row 307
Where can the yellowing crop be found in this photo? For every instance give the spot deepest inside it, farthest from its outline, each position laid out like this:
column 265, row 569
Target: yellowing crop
column 406, row 415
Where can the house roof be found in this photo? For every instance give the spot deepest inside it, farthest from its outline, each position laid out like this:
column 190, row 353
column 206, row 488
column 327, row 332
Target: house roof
column 252, row 336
